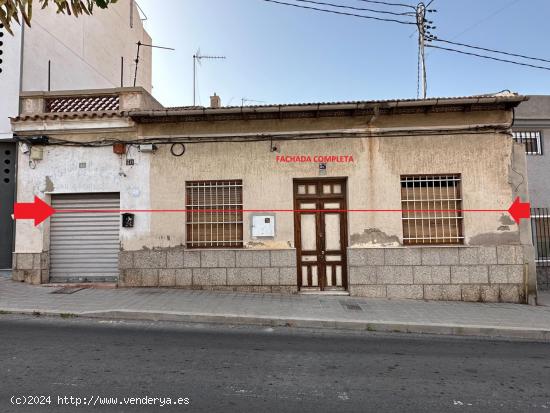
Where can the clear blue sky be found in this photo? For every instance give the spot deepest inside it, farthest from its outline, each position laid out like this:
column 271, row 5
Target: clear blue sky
column 279, row 54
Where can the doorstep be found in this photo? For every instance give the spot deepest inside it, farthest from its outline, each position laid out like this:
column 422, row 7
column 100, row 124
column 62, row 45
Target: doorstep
column 335, row 292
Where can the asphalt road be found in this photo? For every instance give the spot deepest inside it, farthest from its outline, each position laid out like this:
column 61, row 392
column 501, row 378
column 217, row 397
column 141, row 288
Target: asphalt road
column 240, row 369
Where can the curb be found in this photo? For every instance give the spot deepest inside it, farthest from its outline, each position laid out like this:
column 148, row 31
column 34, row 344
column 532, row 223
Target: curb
column 539, row 334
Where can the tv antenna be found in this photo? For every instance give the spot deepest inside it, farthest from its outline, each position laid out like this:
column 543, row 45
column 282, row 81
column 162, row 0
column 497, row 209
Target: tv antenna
column 197, row 57
column 246, row 100
column 139, row 45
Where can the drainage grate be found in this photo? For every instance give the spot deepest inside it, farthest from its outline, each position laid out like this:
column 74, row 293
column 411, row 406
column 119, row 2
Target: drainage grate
column 351, row 306
column 67, row 290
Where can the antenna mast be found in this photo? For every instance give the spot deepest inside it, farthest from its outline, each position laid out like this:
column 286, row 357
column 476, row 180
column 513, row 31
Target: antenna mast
column 139, row 45
column 197, row 57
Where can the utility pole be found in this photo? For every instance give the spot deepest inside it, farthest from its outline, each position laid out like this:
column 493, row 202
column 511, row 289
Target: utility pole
column 424, row 35
column 421, row 24
column 197, row 57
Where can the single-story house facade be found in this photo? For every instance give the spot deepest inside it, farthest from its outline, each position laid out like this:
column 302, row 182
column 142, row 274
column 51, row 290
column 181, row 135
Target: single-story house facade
column 363, row 198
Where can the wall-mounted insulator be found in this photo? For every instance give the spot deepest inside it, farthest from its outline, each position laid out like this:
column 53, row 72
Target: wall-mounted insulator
column 1, row 45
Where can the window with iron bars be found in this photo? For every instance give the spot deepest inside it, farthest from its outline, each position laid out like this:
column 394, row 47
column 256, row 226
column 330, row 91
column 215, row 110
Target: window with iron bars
column 540, row 225
column 432, row 207
column 531, row 140
column 214, row 214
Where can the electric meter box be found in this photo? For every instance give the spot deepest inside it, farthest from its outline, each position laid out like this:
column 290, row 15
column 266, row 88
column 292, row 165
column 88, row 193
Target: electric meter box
column 263, row 225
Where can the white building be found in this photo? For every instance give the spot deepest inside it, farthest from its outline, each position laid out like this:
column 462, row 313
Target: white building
column 63, row 53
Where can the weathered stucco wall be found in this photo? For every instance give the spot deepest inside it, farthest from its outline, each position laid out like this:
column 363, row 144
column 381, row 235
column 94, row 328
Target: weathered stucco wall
column 373, row 179
column 157, row 180
column 60, row 172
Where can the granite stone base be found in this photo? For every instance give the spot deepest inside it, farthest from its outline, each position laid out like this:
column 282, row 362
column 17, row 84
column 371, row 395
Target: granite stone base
column 32, row 268
column 543, row 278
column 482, row 274
column 263, row 271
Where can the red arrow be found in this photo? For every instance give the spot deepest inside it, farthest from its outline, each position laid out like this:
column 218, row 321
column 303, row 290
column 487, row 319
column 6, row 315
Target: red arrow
column 520, row 210
column 39, row 211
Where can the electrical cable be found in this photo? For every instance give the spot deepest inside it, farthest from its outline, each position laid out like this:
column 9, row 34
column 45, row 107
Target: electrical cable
column 357, row 8
column 484, row 19
column 339, row 12
column 267, row 137
column 487, row 57
column 436, row 39
column 389, row 4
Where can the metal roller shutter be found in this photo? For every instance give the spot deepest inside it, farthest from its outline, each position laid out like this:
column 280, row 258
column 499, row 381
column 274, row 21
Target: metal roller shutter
column 84, row 246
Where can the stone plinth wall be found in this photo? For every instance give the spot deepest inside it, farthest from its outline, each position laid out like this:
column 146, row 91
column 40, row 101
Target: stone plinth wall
column 484, row 274
column 31, row 268
column 543, row 278
column 223, row 270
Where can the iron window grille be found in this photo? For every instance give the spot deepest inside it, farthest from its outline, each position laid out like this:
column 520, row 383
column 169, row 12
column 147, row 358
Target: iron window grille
column 432, row 209
column 540, row 225
column 214, row 214
column 531, row 140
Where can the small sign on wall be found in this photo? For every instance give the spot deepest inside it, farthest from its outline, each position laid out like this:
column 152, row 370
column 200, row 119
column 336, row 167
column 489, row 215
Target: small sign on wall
column 322, row 169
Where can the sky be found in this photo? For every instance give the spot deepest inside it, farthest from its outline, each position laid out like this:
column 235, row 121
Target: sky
column 278, row 54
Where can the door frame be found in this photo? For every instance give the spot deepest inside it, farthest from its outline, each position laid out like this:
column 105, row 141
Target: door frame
column 12, row 146
column 318, row 198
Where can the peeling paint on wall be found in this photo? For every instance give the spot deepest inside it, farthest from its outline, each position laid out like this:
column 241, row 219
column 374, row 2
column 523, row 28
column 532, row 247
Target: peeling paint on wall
column 498, row 238
column 373, row 236
column 505, row 219
column 49, row 187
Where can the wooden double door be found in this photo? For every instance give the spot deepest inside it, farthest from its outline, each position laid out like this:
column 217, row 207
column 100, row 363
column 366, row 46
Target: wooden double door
column 320, row 233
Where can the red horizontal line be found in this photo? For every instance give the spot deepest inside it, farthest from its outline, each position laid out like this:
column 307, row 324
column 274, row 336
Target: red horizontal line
column 117, row 211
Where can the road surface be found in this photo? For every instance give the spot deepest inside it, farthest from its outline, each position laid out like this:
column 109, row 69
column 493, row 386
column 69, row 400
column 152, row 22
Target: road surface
column 238, row 369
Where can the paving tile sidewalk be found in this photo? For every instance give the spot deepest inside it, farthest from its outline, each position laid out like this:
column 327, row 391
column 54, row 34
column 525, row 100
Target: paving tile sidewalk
column 495, row 320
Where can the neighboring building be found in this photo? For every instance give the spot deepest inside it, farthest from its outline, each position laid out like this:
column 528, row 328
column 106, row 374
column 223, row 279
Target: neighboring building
column 59, row 53
column 295, row 170
column 532, row 128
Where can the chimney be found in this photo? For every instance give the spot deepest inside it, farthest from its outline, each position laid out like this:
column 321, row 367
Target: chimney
column 215, row 102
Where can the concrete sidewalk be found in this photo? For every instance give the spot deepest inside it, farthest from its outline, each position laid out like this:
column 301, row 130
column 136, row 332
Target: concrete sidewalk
column 315, row 311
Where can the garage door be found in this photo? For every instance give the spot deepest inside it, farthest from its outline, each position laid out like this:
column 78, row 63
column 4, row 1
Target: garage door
column 84, row 246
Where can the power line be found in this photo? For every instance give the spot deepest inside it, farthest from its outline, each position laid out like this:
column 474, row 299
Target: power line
column 389, row 4
column 356, row 8
column 489, row 50
column 487, row 57
column 339, row 12
column 484, row 19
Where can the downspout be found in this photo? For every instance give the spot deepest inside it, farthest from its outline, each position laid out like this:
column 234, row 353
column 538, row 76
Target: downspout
column 21, row 67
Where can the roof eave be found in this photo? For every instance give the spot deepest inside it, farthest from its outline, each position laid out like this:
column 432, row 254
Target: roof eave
column 512, row 101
